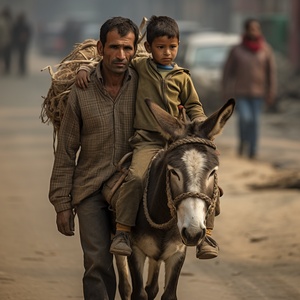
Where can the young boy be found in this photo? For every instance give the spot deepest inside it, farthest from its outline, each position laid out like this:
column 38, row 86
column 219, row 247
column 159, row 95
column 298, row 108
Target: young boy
column 168, row 85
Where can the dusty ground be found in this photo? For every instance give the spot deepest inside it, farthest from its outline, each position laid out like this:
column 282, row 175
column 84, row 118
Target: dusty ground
column 258, row 229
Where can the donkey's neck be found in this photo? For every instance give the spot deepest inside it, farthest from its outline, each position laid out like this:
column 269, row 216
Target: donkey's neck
column 157, row 201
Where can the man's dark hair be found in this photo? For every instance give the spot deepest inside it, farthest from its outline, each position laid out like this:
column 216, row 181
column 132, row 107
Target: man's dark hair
column 161, row 26
column 122, row 25
column 248, row 22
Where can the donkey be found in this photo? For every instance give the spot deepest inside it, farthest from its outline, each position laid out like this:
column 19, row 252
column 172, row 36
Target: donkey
column 180, row 191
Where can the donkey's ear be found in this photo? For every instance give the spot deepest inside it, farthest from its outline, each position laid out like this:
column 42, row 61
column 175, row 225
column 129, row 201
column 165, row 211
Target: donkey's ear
column 214, row 124
column 168, row 125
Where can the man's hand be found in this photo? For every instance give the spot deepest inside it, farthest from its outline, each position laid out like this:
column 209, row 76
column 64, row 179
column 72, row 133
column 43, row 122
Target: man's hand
column 82, row 79
column 65, row 222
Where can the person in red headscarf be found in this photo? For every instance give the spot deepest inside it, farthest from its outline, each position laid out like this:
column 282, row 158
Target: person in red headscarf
column 249, row 76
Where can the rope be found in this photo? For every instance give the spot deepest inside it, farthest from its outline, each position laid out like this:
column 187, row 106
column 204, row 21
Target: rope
column 153, row 224
column 191, row 140
column 211, row 202
column 215, row 196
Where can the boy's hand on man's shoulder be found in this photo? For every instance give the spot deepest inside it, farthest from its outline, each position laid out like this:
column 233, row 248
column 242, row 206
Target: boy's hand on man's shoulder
column 82, row 79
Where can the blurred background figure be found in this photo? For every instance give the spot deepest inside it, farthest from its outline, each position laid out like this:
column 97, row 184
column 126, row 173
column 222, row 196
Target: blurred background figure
column 21, row 40
column 5, row 39
column 71, row 35
column 250, row 77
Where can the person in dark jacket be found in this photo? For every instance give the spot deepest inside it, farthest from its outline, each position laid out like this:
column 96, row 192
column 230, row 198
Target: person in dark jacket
column 21, row 40
column 6, row 38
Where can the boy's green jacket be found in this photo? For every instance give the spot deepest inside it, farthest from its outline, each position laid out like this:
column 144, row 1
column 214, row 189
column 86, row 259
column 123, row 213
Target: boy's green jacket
column 169, row 91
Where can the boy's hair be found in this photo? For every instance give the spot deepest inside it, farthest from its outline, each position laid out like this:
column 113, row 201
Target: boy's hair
column 123, row 26
column 161, row 26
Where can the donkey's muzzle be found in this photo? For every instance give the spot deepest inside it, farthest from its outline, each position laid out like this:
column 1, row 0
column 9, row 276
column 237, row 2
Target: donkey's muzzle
column 192, row 239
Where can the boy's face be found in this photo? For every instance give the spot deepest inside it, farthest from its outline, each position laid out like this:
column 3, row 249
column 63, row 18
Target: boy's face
column 163, row 49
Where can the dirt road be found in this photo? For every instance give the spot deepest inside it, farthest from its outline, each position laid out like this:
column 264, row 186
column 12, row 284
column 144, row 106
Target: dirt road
column 258, row 230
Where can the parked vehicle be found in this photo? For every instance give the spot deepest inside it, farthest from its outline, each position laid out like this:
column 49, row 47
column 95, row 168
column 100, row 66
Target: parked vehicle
column 204, row 55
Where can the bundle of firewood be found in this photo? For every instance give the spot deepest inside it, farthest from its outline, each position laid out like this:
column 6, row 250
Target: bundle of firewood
column 63, row 78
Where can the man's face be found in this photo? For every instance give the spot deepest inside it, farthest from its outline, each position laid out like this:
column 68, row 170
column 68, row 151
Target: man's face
column 117, row 52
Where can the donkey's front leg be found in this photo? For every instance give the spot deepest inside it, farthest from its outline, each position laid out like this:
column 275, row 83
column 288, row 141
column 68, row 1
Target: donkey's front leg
column 173, row 266
column 152, row 280
column 136, row 262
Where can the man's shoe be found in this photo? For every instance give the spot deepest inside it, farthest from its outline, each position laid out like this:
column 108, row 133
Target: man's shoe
column 207, row 249
column 121, row 244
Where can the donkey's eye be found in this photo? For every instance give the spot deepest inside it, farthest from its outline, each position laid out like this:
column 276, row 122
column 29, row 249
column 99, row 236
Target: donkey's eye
column 174, row 173
column 212, row 173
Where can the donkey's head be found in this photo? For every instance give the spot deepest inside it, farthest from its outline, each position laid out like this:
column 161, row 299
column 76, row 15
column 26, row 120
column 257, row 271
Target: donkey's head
column 192, row 163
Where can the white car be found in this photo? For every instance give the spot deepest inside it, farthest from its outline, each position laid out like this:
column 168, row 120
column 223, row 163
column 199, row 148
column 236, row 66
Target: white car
column 204, row 55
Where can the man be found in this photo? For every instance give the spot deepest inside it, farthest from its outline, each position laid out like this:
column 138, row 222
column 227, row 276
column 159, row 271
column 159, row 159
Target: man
column 93, row 137
column 21, row 40
column 5, row 39
column 250, row 76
